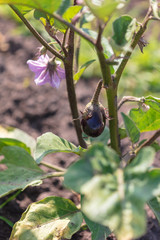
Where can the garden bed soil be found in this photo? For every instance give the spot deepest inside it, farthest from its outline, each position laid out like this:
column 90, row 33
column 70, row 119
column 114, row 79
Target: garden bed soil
column 36, row 110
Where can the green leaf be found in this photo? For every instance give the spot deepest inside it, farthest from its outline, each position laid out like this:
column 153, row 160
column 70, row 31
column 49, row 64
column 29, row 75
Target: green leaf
column 11, row 132
column 82, row 69
column 145, row 120
column 51, row 218
column 38, row 14
column 156, row 146
column 116, row 199
column 6, row 221
column 21, row 171
column 68, row 15
column 153, row 102
column 23, row 9
column 12, row 142
column 51, row 143
column 107, row 205
column 154, row 204
column 122, row 133
column 120, row 28
column 44, row 5
column 154, row 4
column 141, row 163
column 98, row 231
column 99, row 159
column 132, row 131
column 64, row 6
column 102, row 9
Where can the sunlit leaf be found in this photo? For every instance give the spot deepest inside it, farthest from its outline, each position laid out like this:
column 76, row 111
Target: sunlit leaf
column 15, row 133
column 51, row 143
column 102, row 9
column 132, row 131
column 153, row 102
column 20, row 170
column 51, row 218
column 44, row 5
column 120, row 29
column 82, row 69
column 68, row 15
column 145, row 120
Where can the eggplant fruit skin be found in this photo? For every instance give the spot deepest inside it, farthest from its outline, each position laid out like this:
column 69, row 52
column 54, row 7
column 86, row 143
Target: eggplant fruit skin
column 93, row 119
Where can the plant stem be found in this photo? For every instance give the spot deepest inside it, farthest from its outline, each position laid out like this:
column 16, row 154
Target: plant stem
column 111, row 92
column 58, row 169
column 149, row 141
column 137, row 37
column 53, row 174
column 10, row 198
column 130, row 99
column 68, row 64
column 36, row 34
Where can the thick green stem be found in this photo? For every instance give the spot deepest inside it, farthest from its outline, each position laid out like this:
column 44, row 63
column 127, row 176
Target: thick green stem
column 111, row 92
column 68, row 63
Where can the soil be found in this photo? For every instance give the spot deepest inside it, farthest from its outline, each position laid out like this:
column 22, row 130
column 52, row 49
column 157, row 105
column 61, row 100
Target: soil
column 36, row 110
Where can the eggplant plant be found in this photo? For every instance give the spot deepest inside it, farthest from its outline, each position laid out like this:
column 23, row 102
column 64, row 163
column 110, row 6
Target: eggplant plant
column 113, row 186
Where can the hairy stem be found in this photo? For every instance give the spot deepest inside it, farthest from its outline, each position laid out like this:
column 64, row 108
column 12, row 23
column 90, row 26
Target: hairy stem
column 111, row 92
column 130, row 99
column 128, row 54
column 68, row 63
column 56, row 168
column 36, row 34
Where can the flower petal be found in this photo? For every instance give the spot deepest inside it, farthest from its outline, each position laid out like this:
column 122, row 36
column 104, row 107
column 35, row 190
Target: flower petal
column 61, row 72
column 55, row 80
column 42, row 78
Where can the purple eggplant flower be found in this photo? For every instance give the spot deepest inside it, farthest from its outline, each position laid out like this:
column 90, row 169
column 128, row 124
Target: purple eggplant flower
column 47, row 71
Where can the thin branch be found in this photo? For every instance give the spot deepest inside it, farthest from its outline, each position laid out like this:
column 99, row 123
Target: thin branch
column 10, row 198
column 58, row 169
column 75, row 29
column 53, row 174
column 137, row 36
column 36, row 34
column 68, row 64
column 130, row 99
column 149, row 141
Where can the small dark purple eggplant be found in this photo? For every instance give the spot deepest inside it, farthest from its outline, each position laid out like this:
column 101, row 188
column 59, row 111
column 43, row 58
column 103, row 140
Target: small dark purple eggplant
column 93, row 117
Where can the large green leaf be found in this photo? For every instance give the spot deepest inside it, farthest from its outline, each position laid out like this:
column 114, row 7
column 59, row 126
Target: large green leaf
column 102, row 9
column 44, row 5
column 15, row 133
column 51, row 218
column 20, row 170
column 99, row 159
column 51, row 143
column 154, row 204
column 145, row 120
column 120, row 28
column 132, row 131
column 113, row 196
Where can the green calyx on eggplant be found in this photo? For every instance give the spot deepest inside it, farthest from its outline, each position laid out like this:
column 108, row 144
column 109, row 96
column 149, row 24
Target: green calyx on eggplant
column 94, row 117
